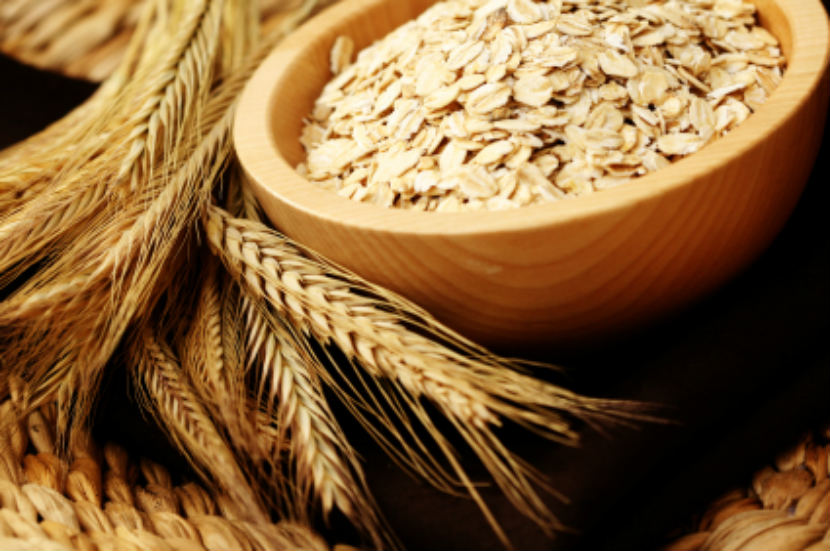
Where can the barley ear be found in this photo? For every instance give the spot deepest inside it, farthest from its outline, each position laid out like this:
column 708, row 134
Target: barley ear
column 290, row 393
column 170, row 397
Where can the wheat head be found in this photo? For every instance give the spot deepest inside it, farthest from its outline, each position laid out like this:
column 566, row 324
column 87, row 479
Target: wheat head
column 160, row 379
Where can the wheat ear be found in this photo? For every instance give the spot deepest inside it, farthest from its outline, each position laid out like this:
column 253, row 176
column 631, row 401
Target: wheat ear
column 283, row 373
column 171, row 399
column 213, row 356
column 325, row 464
column 208, row 353
column 367, row 402
column 170, row 98
column 473, row 391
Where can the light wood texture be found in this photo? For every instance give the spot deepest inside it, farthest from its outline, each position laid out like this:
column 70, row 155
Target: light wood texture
column 569, row 270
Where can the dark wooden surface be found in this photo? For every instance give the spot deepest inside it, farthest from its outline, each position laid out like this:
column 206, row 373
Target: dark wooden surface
column 742, row 374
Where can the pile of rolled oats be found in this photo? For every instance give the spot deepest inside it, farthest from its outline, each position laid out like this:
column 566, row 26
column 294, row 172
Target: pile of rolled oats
column 493, row 104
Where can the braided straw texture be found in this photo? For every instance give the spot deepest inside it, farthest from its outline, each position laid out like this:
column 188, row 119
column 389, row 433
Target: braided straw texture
column 786, row 508
column 87, row 38
column 101, row 500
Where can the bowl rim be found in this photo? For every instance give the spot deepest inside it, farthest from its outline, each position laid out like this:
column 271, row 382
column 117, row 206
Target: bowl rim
column 276, row 178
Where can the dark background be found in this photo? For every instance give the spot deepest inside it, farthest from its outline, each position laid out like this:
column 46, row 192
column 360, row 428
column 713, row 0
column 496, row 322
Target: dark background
column 743, row 374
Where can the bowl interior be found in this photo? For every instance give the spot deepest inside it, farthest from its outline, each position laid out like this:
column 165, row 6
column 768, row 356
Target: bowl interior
column 376, row 19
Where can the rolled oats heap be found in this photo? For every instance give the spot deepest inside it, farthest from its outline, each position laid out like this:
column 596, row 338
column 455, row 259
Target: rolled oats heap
column 494, row 104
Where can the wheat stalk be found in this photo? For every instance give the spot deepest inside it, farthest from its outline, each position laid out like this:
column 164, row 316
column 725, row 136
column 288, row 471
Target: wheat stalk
column 98, row 287
column 118, row 253
column 212, row 352
column 289, row 394
column 474, row 391
column 69, row 316
column 172, row 400
column 155, row 94
column 204, row 357
column 37, row 163
column 241, row 37
column 170, row 96
column 89, row 309
column 325, row 463
column 321, row 299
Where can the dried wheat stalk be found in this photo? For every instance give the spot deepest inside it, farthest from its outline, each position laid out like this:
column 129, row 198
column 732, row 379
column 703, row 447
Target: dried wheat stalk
column 218, row 382
column 165, row 387
column 473, row 390
column 171, row 99
column 292, row 396
column 78, row 190
column 140, row 231
column 73, row 310
column 296, row 427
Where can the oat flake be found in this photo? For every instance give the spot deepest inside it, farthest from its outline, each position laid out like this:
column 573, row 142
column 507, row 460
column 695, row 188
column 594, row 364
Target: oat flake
column 495, row 104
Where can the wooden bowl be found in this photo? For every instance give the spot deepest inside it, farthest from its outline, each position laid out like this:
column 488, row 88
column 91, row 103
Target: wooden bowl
column 573, row 269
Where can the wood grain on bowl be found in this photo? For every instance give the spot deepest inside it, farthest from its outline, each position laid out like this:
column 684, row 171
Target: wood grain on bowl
column 572, row 269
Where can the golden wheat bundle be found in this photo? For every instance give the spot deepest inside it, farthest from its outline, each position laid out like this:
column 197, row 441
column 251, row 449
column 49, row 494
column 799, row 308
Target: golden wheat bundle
column 128, row 240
